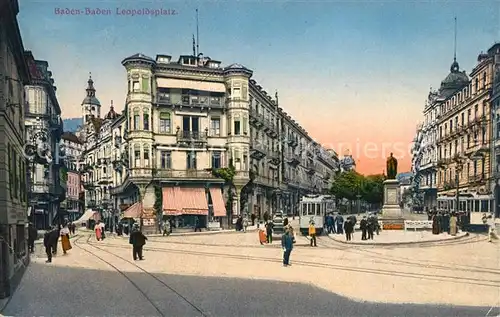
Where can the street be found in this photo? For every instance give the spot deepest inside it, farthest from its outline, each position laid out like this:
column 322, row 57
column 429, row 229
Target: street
column 232, row 275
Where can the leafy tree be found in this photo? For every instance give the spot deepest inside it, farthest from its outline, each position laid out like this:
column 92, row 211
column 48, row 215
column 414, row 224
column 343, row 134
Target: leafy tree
column 349, row 185
column 373, row 189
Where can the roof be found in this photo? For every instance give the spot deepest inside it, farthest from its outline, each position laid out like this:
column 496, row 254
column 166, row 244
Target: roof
column 97, row 123
column 137, row 57
column 91, row 101
column 71, row 137
column 455, row 80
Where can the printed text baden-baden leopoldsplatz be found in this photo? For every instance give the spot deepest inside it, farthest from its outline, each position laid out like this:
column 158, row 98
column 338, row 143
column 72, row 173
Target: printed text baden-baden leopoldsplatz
column 116, row 11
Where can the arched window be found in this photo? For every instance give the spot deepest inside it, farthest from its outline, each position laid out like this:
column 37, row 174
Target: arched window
column 137, row 119
column 137, row 155
column 145, row 151
column 145, row 119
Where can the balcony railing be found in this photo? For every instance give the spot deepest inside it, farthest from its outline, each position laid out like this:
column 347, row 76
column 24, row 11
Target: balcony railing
column 191, row 136
column 188, row 173
column 476, row 178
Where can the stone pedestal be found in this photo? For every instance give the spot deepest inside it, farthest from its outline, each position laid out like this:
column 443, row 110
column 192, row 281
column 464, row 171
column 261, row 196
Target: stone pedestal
column 392, row 216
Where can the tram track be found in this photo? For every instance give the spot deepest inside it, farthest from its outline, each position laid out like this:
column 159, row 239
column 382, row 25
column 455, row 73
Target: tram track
column 452, row 279
column 121, row 272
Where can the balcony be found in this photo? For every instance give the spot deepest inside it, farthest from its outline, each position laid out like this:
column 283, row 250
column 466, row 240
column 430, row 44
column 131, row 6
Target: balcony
column 192, row 138
column 274, row 157
column 478, row 178
column 162, row 174
column 88, row 185
column 258, row 150
column 266, row 181
column 105, row 180
column 292, row 141
column 257, row 119
column 311, row 167
column 293, row 159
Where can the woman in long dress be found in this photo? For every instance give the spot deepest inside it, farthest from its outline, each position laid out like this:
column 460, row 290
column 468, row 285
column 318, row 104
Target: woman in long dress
column 435, row 224
column 65, row 243
column 98, row 231
column 453, row 225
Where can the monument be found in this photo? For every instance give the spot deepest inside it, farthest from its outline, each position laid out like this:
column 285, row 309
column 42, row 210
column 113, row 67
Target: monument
column 392, row 216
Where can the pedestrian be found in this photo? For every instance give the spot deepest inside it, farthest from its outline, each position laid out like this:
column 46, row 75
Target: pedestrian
column 245, row 224
column 262, row 236
column 340, row 224
column 55, row 239
column 453, row 224
column 312, row 233
column 269, row 231
column 372, row 225
column 330, row 224
column 103, row 230
column 287, row 245
column 348, row 228
column 363, row 225
column 253, row 219
column 48, row 242
column 65, row 243
column 166, row 228
column 435, row 224
column 137, row 240
column 32, row 236
column 98, row 231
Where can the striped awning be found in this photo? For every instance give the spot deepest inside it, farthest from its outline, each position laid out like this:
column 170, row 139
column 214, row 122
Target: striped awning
column 193, row 201
column 218, row 204
column 134, row 211
column 169, row 202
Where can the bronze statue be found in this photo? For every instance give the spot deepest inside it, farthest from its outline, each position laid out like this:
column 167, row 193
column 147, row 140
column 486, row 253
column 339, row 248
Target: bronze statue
column 392, row 167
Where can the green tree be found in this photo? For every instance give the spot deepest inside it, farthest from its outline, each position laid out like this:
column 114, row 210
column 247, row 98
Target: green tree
column 227, row 174
column 373, row 189
column 347, row 185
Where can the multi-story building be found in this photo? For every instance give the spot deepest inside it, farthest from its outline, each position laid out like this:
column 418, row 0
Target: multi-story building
column 73, row 149
column 493, row 55
column 464, row 136
column 187, row 120
column 43, row 136
column 417, row 153
column 13, row 187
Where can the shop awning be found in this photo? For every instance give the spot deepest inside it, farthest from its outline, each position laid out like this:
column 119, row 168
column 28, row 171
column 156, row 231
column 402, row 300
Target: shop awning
column 169, row 202
column 85, row 217
column 134, row 211
column 218, row 204
column 193, row 201
column 190, row 84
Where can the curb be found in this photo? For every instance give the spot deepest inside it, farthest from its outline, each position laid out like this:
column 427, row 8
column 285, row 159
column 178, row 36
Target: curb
column 203, row 233
column 399, row 243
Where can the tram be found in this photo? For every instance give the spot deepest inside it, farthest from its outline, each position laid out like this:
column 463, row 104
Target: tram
column 315, row 208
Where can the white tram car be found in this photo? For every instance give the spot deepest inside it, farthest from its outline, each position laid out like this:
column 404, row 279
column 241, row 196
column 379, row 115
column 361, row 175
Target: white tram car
column 315, row 208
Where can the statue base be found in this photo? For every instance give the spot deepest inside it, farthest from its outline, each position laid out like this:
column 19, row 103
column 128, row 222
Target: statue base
column 392, row 216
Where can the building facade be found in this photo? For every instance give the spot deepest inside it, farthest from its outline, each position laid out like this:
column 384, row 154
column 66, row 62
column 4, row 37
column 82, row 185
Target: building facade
column 13, row 186
column 189, row 123
column 73, row 149
column 464, row 137
column 43, row 138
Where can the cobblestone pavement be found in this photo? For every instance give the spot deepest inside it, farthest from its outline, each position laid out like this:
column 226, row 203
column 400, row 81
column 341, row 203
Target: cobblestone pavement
column 233, row 275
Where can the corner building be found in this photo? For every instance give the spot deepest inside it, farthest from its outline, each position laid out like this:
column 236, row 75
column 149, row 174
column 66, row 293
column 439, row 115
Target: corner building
column 464, row 136
column 187, row 118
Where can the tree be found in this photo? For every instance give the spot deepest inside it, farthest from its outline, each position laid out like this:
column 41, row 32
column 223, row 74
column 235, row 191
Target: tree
column 373, row 189
column 347, row 185
column 227, row 174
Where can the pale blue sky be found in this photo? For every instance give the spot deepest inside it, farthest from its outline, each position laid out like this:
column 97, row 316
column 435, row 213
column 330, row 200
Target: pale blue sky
column 348, row 61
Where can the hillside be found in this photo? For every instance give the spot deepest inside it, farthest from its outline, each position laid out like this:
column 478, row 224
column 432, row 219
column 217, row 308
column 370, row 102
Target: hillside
column 72, row 124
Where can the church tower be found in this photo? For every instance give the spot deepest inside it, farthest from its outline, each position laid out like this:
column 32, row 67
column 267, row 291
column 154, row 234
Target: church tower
column 91, row 107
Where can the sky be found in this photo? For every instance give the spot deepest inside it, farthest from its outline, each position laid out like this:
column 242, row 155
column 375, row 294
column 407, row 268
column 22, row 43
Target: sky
column 354, row 74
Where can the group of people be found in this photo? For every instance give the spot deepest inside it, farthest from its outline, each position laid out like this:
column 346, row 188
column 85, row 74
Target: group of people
column 445, row 222
column 51, row 238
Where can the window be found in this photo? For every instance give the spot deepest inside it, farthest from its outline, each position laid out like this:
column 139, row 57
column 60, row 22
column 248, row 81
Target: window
column 137, row 118
column 215, row 101
column 135, row 86
column 237, row 127
column 484, row 109
column 165, row 123
column 476, row 111
column 475, row 167
column 483, row 137
column 137, row 156
column 216, row 159
column 146, row 157
column 215, row 127
column 476, row 85
column 191, row 160
column 145, row 84
column 463, row 119
column 15, row 173
column 11, row 177
column 469, row 113
column 236, row 93
column 245, row 125
column 166, row 159
column 483, row 165
column 145, row 119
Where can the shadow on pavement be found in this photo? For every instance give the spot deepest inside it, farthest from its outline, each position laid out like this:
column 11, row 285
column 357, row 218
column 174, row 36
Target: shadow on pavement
column 48, row 290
